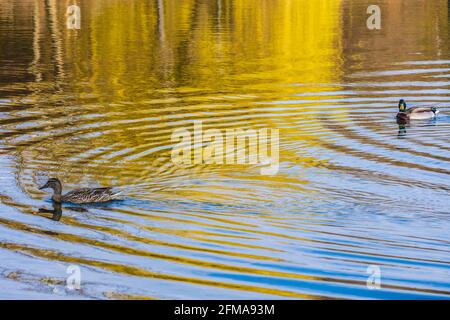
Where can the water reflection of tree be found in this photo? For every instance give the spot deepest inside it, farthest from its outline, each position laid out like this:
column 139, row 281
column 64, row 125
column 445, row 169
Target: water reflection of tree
column 194, row 46
column 408, row 27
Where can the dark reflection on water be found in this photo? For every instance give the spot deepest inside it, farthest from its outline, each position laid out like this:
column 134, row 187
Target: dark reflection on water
column 56, row 211
column 97, row 107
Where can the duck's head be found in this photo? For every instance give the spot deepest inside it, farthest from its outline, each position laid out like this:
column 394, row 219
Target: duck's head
column 54, row 184
column 402, row 105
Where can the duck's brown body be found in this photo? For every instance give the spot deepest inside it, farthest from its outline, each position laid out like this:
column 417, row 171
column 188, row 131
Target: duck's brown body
column 86, row 195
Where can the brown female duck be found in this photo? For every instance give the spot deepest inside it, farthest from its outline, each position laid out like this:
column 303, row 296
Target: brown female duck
column 84, row 195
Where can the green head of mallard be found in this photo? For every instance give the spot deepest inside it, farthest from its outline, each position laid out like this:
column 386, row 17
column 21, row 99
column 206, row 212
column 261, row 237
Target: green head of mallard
column 402, row 105
column 54, row 184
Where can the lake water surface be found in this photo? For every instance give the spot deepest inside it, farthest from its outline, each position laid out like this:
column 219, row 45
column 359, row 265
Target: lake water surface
column 97, row 107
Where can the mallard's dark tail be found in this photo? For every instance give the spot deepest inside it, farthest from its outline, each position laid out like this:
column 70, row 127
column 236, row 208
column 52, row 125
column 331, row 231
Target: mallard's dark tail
column 435, row 110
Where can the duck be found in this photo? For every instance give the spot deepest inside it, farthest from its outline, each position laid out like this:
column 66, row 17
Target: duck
column 83, row 195
column 415, row 113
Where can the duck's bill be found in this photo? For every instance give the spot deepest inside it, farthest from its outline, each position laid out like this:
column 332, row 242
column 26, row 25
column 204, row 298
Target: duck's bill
column 43, row 187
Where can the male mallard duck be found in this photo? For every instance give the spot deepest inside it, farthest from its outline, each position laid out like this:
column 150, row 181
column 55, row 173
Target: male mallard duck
column 84, row 195
column 413, row 113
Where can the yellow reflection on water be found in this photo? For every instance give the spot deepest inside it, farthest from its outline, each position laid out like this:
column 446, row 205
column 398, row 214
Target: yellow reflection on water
column 134, row 73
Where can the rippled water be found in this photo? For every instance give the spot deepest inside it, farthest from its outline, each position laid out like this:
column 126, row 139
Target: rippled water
column 98, row 106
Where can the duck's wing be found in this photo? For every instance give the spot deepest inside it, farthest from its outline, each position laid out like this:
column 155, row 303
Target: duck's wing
column 417, row 110
column 86, row 195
